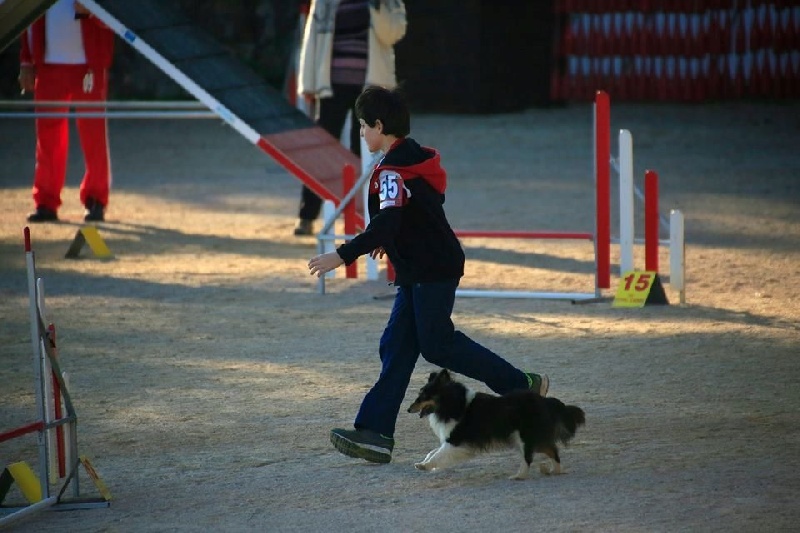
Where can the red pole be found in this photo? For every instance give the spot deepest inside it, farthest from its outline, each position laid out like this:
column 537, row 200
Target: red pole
column 348, row 182
column 651, row 221
column 22, row 430
column 602, row 132
column 62, row 470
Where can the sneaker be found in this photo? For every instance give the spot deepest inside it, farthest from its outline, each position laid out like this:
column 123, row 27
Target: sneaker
column 43, row 214
column 538, row 382
column 304, row 227
column 95, row 211
column 364, row 444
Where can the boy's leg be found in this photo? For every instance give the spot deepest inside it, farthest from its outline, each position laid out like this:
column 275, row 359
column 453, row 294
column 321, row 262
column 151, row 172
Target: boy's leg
column 443, row 346
column 399, row 352
column 372, row 439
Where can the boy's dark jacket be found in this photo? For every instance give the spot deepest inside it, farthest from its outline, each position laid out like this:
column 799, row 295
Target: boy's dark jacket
column 417, row 236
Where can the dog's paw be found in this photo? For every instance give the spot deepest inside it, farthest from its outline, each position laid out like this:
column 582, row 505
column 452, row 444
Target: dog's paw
column 518, row 477
column 549, row 469
column 422, row 466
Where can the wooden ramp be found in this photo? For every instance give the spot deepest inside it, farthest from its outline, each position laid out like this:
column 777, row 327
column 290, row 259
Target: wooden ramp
column 207, row 71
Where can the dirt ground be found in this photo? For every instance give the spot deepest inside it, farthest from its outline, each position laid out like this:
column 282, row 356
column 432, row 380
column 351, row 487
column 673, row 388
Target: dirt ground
column 207, row 370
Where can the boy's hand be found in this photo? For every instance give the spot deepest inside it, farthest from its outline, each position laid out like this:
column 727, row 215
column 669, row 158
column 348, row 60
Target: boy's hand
column 322, row 264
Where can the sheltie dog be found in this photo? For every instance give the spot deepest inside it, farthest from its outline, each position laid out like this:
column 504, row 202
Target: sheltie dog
column 468, row 423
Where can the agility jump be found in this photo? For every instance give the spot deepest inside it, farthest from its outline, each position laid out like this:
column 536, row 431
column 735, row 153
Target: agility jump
column 600, row 237
column 56, row 426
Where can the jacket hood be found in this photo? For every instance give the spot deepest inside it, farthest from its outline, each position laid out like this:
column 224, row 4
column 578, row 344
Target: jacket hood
column 415, row 161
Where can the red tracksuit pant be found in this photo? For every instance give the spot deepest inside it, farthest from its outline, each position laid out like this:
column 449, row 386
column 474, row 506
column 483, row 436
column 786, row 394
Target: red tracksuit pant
column 77, row 83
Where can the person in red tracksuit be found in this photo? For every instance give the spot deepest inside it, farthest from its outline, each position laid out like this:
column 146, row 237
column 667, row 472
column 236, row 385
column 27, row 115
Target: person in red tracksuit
column 65, row 56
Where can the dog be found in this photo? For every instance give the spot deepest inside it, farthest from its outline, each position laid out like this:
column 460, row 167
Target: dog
column 468, row 423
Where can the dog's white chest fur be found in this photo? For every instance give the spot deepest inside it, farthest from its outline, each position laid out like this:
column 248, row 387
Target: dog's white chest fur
column 441, row 429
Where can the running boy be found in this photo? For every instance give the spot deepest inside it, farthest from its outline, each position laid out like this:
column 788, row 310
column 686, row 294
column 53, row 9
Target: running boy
column 408, row 224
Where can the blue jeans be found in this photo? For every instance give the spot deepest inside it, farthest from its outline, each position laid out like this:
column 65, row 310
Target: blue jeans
column 420, row 324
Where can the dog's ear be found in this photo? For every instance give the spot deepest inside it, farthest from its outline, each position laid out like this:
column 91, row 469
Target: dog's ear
column 444, row 376
column 432, row 376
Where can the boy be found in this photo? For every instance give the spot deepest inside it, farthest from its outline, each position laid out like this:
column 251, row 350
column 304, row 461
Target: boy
column 408, row 223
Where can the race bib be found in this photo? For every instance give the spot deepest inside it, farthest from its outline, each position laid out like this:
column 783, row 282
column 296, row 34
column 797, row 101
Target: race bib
column 393, row 192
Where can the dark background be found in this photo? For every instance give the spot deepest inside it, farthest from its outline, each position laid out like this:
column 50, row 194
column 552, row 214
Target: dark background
column 259, row 32
column 457, row 56
column 494, row 56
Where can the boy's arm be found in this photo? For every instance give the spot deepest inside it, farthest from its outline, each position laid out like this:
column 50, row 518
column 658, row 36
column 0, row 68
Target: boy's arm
column 362, row 244
column 379, row 232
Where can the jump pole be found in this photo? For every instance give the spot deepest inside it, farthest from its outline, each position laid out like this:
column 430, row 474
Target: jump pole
column 602, row 172
column 651, row 221
column 625, row 201
column 45, row 365
column 677, row 258
column 41, row 438
column 601, row 238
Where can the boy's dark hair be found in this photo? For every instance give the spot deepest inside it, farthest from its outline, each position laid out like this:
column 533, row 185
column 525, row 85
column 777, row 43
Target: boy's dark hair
column 378, row 103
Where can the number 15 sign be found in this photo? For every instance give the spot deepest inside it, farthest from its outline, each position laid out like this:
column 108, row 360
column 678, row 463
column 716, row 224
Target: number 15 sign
column 639, row 288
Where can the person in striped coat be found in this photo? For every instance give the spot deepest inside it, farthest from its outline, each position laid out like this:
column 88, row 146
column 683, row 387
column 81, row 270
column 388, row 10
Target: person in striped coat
column 347, row 44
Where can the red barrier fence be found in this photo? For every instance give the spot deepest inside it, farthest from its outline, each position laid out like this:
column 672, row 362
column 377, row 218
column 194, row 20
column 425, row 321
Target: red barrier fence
column 677, row 50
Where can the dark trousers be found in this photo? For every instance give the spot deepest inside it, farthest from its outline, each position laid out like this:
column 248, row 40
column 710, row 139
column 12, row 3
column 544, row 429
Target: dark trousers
column 332, row 116
column 420, row 324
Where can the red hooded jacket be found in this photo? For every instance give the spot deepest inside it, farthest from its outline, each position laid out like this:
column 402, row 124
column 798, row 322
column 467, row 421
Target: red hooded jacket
column 407, row 217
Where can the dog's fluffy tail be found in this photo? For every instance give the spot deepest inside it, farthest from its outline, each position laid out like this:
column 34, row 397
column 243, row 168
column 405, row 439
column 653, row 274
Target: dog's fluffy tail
column 568, row 419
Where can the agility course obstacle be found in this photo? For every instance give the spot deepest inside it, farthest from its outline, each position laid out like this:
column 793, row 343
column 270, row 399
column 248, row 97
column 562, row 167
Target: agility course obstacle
column 219, row 82
column 600, row 238
column 16, row 15
column 55, row 427
column 258, row 112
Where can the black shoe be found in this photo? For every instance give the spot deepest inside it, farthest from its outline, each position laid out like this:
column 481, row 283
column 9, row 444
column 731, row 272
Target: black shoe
column 363, row 444
column 304, row 227
column 95, row 211
column 43, row 214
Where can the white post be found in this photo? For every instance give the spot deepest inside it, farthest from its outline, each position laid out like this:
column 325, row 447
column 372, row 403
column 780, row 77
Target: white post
column 367, row 163
column 30, row 262
column 677, row 257
column 329, row 245
column 625, row 201
column 47, row 385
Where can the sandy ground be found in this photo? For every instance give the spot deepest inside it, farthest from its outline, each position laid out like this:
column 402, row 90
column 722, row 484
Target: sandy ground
column 207, row 370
